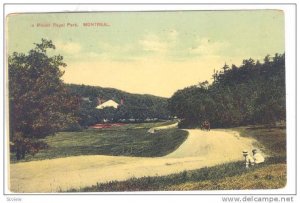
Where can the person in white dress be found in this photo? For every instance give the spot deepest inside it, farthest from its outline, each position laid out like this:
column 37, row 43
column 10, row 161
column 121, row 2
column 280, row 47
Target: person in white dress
column 258, row 157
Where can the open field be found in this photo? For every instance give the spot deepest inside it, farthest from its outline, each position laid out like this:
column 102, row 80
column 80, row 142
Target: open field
column 127, row 140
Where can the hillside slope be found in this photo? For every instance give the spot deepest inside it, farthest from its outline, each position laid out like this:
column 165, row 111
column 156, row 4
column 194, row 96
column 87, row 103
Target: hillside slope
column 132, row 106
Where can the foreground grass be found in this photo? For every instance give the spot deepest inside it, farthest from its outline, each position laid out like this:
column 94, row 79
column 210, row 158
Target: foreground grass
column 267, row 177
column 271, row 141
column 271, row 174
column 231, row 176
column 129, row 140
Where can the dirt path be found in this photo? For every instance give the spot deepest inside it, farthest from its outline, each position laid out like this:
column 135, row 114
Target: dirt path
column 164, row 127
column 201, row 149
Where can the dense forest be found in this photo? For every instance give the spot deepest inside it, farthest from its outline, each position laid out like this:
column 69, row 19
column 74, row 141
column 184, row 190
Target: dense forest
column 253, row 93
column 134, row 106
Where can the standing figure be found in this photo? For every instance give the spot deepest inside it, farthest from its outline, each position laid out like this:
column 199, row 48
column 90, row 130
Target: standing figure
column 249, row 160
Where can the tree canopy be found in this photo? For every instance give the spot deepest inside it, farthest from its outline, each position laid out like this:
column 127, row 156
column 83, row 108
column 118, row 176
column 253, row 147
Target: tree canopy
column 253, row 93
column 39, row 103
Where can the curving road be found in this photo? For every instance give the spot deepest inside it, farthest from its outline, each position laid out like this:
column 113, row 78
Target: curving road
column 201, row 149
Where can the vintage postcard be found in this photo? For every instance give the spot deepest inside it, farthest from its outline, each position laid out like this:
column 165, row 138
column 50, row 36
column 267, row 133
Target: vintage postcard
column 182, row 100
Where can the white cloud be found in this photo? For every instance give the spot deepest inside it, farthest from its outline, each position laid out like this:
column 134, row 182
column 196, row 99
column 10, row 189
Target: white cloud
column 68, row 47
column 148, row 44
column 205, row 46
column 153, row 43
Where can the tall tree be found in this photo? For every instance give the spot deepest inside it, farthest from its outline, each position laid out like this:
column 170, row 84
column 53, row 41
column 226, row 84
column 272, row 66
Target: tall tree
column 40, row 104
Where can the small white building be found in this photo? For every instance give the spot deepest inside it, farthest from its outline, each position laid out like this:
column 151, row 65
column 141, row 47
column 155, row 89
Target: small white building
column 86, row 99
column 109, row 103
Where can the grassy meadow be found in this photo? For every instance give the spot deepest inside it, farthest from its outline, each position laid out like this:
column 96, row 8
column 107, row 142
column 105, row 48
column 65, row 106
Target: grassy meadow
column 231, row 176
column 127, row 140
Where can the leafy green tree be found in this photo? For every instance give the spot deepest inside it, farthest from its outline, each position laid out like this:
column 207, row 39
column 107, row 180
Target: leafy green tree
column 40, row 105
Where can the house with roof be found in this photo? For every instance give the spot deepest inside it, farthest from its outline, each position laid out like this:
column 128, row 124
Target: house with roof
column 109, row 103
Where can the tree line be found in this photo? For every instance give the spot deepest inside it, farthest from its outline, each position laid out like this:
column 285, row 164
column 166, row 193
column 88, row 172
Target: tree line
column 131, row 106
column 253, row 93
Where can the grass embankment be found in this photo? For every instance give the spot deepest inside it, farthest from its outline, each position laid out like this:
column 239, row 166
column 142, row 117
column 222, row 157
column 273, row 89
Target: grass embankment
column 128, row 140
column 271, row 141
column 270, row 174
column 271, row 177
column 232, row 176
